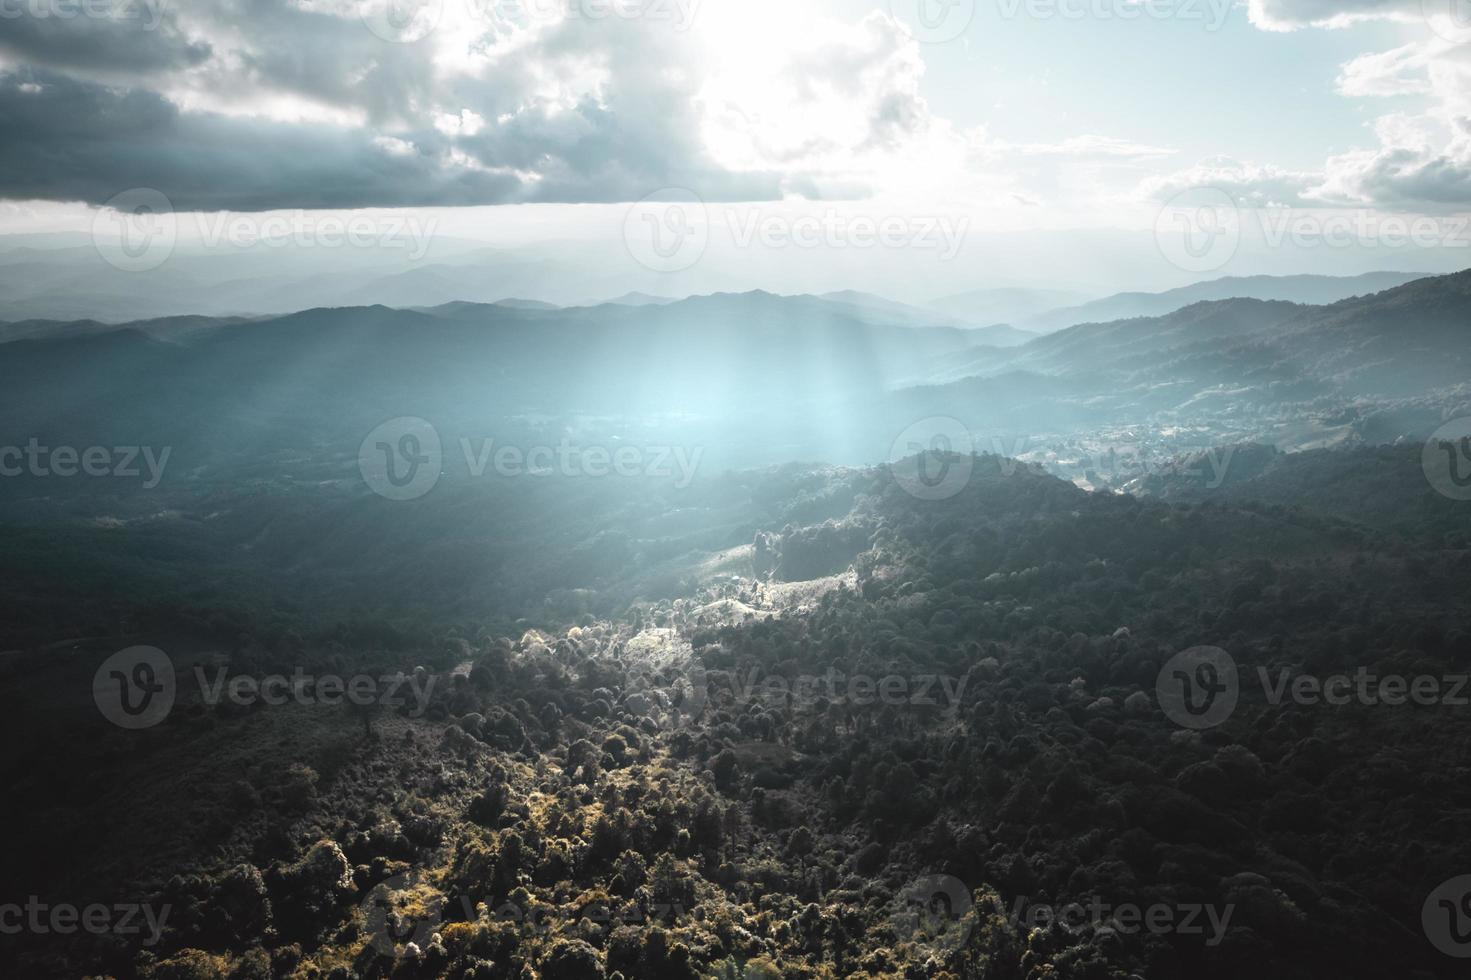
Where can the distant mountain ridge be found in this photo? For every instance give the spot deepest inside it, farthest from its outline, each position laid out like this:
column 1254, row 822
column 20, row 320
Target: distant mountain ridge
column 1368, row 369
column 638, row 299
column 326, row 373
column 880, row 309
column 1009, row 305
column 1304, row 289
column 757, row 376
column 859, row 307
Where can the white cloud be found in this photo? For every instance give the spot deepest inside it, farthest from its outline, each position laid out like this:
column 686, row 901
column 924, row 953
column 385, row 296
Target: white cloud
column 1400, row 71
column 838, row 110
column 1423, row 159
column 1089, row 146
column 1250, row 185
column 1289, row 15
column 1407, row 176
column 221, row 103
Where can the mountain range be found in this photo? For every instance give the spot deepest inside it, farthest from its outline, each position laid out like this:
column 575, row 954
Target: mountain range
column 1310, row 290
column 752, row 377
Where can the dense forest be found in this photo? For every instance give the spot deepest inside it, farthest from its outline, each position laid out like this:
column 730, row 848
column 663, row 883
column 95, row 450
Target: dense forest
column 812, row 726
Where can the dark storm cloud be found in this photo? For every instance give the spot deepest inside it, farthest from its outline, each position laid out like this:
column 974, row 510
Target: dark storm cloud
column 292, row 106
column 329, row 60
column 73, row 140
column 133, row 36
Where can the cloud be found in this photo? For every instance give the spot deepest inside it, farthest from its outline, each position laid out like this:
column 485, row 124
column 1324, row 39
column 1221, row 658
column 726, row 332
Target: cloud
column 76, row 140
column 263, row 104
column 1409, row 170
column 266, row 104
column 831, row 113
column 1403, row 179
column 1413, row 169
column 139, row 39
column 1401, row 71
column 1290, row 15
column 1089, row 147
column 1423, row 159
column 1250, row 185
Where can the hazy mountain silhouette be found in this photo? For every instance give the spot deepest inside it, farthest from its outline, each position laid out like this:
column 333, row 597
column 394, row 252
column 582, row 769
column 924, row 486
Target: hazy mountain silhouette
column 1315, row 290
column 767, row 377
column 1005, row 305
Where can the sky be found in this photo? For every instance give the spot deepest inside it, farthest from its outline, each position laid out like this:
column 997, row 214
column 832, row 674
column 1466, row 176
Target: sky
column 520, row 122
